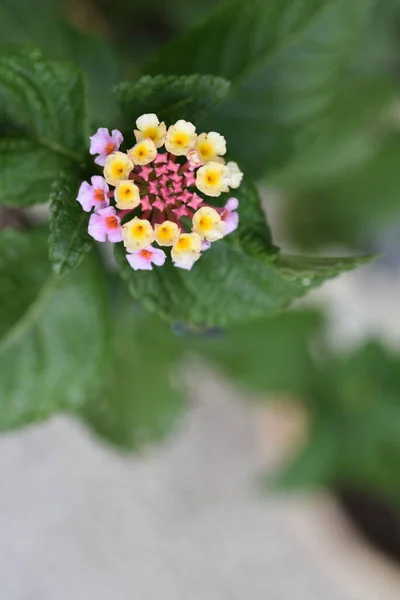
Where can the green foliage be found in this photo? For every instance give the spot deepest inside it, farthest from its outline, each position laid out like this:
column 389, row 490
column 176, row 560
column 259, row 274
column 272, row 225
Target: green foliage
column 46, row 99
column 170, row 97
column 342, row 140
column 355, row 430
column 53, row 336
column 269, row 355
column 351, row 209
column 47, row 28
column 27, row 171
column 286, row 61
column 143, row 398
column 44, row 118
column 69, row 239
column 317, row 269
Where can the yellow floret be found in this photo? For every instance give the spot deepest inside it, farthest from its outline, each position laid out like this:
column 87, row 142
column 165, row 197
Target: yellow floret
column 149, row 126
column 117, row 167
column 137, row 234
column 208, row 224
column 167, row 233
column 181, row 138
column 143, row 152
column 126, row 195
column 213, row 178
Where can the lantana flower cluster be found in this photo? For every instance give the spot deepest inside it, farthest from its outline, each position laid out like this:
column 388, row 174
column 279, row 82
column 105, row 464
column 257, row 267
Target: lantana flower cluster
column 147, row 197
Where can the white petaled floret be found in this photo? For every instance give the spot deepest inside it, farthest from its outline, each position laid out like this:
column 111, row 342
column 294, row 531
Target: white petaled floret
column 143, row 153
column 137, row 234
column 149, row 126
column 213, row 179
column 235, row 175
column 181, row 137
column 186, row 251
column 210, row 146
column 208, row 224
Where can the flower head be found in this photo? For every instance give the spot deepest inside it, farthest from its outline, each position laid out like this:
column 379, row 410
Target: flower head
column 143, row 260
column 137, row 234
column 208, row 224
column 213, row 178
column 151, row 197
column 103, row 143
column 126, row 195
column 117, row 167
column 143, row 153
column 181, row 138
column 186, row 250
column 94, row 195
column 148, row 126
column 105, row 224
column 210, row 146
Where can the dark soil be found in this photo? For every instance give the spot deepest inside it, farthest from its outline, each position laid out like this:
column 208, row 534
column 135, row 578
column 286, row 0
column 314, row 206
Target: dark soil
column 378, row 522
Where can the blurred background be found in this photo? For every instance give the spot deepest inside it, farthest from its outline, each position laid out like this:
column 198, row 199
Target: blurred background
column 282, row 477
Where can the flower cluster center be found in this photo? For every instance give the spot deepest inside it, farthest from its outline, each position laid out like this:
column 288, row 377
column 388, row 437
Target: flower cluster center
column 164, row 186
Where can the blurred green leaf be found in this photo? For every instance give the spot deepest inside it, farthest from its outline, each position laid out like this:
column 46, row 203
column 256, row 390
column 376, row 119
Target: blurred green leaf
column 170, row 97
column 69, row 239
column 353, row 208
column 379, row 52
column 45, row 120
column 315, row 464
column 144, row 398
column 27, row 171
column 17, row 248
column 355, row 425
column 52, row 348
column 314, row 267
column 342, row 140
column 46, row 99
column 266, row 356
column 47, row 28
column 235, row 38
column 287, row 60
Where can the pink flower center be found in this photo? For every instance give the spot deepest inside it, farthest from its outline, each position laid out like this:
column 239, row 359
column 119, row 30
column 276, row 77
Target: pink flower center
column 112, row 222
column 167, row 187
column 146, row 254
column 99, row 195
column 110, row 147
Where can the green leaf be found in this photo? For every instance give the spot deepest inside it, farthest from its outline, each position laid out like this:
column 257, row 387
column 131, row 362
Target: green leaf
column 143, row 400
column 341, row 141
column 351, row 209
column 316, row 269
column 354, row 425
column 237, row 280
column 69, row 239
column 53, row 332
column 221, row 43
column 27, row 171
column 45, row 99
column 269, row 355
column 364, row 406
column 286, row 61
column 314, row 465
column 171, row 97
column 47, row 28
